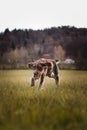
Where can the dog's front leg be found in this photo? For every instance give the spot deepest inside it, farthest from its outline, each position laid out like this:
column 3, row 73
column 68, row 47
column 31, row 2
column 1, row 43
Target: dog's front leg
column 41, row 81
column 32, row 81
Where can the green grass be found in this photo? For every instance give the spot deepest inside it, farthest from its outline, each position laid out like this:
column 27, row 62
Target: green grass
column 25, row 108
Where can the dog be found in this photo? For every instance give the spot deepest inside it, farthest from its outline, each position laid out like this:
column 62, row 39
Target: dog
column 44, row 67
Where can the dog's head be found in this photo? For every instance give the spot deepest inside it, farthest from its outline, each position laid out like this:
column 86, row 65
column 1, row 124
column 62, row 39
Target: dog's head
column 40, row 69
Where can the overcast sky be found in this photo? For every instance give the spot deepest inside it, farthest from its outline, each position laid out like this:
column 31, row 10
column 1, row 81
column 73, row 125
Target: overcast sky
column 40, row 14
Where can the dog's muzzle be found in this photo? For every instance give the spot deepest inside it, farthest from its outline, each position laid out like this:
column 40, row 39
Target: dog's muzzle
column 36, row 75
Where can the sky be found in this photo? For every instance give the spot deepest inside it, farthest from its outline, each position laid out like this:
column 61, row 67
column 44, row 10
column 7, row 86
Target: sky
column 41, row 14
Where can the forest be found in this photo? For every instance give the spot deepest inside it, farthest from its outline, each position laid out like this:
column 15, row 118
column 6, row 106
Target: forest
column 18, row 47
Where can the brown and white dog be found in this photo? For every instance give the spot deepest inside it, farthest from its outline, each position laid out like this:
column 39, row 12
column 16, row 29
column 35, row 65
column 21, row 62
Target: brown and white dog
column 44, row 67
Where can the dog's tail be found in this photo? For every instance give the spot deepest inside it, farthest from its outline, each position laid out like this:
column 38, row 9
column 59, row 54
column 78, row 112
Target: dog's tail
column 57, row 61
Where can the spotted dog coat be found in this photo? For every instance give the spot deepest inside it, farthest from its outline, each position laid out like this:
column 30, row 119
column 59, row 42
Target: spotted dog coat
column 44, row 67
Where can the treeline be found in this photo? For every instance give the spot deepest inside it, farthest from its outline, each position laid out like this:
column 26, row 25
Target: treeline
column 22, row 46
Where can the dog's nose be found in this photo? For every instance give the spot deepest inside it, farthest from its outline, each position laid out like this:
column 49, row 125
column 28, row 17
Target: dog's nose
column 35, row 73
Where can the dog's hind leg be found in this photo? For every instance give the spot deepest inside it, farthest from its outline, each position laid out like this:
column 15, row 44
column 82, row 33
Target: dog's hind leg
column 56, row 75
column 57, row 80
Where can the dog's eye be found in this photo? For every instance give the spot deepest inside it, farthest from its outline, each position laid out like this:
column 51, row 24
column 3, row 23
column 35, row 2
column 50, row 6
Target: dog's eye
column 39, row 68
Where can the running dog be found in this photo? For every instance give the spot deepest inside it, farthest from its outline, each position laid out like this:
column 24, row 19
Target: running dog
column 44, row 67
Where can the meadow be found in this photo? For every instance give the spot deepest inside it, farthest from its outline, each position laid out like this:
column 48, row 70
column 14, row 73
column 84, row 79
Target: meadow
column 52, row 108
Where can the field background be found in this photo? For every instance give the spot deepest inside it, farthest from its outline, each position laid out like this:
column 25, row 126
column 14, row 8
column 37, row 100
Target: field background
column 25, row 108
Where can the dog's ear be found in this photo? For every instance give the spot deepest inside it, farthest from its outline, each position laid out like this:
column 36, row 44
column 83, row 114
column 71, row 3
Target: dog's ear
column 31, row 65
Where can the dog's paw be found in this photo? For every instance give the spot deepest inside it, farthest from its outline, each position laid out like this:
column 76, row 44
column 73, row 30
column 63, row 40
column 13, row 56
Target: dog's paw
column 32, row 82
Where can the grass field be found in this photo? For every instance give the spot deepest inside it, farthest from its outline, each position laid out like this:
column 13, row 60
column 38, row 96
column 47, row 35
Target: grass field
column 25, row 108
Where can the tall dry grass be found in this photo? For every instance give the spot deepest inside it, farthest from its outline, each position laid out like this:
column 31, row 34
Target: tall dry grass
column 25, row 108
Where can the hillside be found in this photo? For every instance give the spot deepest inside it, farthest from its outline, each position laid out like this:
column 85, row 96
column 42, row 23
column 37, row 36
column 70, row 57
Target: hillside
column 22, row 46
